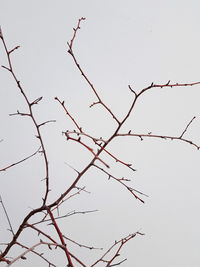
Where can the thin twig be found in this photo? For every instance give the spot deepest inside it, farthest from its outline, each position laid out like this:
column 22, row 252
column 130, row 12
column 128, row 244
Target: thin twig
column 71, row 213
column 164, row 137
column 20, row 161
column 38, row 254
column 168, row 84
column 31, row 249
column 6, row 214
column 96, row 140
column 70, row 51
column 88, row 148
column 68, row 114
column 185, row 130
column 70, row 44
column 31, row 114
column 121, row 243
column 122, row 181
column 81, row 245
column 61, row 237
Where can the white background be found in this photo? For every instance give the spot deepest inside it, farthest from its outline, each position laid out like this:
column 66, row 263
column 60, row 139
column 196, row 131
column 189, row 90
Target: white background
column 120, row 43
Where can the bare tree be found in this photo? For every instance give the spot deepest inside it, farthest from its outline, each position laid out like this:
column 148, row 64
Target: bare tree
column 98, row 147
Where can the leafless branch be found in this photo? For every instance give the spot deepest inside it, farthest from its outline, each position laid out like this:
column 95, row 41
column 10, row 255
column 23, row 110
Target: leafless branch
column 20, row 161
column 71, row 213
column 31, row 249
column 70, row 51
column 185, row 130
column 81, row 245
column 38, row 254
column 88, row 148
column 30, row 113
column 168, row 84
column 70, row 44
column 68, row 114
column 121, row 243
column 43, row 123
column 122, row 181
column 164, row 137
column 101, row 145
column 61, row 237
column 6, row 214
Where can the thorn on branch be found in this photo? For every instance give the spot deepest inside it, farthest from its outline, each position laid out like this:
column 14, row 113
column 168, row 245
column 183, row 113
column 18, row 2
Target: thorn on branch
column 69, row 50
column 43, row 123
column 129, row 166
column 1, row 34
column 5, row 67
column 132, row 90
column 36, row 101
column 15, row 48
column 94, row 103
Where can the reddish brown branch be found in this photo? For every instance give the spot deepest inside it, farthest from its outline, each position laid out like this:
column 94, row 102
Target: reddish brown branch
column 54, row 242
column 164, row 137
column 96, row 156
column 121, row 243
column 19, row 231
column 186, row 128
column 96, row 141
column 70, row 44
column 37, row 253
column 167, row 85
column 40, row 232
column 31, row 114
column 88, row 148
column 70, row 51
column 31, row 249
column 122, row 182
column 70, row 264
column 118, row 160
column 68, row 114
column 60, row 203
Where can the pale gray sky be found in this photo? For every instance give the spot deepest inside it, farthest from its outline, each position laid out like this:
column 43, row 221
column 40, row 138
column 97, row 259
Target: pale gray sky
column 120, row 43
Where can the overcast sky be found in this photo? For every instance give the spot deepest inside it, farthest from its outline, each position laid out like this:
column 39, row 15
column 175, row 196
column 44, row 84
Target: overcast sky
column 120, row 43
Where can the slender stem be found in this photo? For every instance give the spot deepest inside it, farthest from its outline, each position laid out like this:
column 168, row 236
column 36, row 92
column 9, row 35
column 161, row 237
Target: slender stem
column 7, row 217
column 61, row 237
